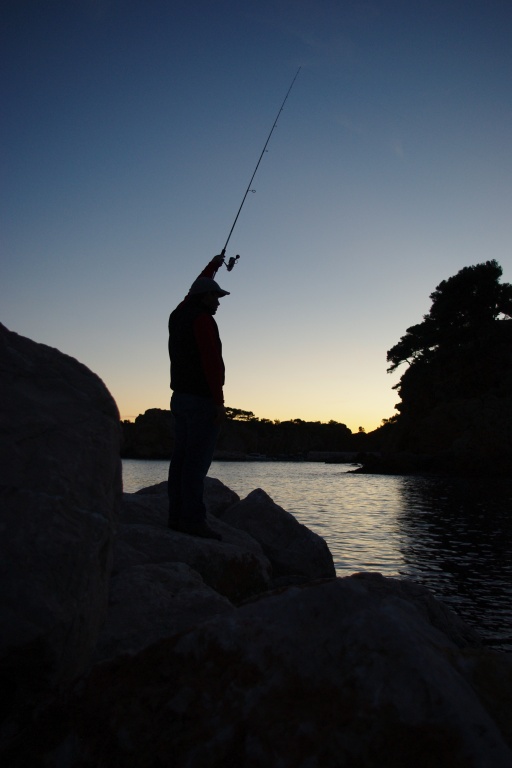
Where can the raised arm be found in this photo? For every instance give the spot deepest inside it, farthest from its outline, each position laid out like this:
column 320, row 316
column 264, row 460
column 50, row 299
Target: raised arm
column 211, row 269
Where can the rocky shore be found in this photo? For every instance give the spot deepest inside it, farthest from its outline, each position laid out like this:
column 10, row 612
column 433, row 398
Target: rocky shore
column 129, row 645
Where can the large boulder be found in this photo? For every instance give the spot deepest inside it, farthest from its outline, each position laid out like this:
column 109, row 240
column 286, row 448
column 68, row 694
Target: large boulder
column 60, row 496
column 334, row 673
column 292, row 548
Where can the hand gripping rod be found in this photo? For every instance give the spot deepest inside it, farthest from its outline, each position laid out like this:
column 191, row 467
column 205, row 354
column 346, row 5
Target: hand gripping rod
column 233, row 259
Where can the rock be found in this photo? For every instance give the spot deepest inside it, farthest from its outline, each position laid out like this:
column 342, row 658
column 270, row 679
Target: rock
column 335, row 673
column 60, row 491
column 145, row 509
column 235, row 567
column 292, row 549
column 159, row 489
column 151, row 602
column 434, row 611
column 217, row 496
column 158, row 589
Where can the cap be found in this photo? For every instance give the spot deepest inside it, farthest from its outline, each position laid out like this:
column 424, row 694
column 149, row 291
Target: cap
column 206, row 285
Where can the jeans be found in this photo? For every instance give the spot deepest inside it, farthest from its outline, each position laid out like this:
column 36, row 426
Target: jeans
column 195, row 437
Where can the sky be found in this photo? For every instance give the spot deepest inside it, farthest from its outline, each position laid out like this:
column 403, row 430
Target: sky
column 130, row 130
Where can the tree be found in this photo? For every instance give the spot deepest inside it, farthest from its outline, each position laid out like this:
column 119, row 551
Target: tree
column 464, row 308
column 237, row 414
column 461, row 349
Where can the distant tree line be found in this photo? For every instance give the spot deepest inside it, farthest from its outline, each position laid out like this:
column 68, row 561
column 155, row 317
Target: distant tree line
column 292, row 438
column 243, row 433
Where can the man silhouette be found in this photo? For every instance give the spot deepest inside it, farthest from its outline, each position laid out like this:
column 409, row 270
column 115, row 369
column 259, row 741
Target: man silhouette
column 197, row 402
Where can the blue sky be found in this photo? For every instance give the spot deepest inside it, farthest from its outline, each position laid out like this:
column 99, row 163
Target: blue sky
column 131, row 129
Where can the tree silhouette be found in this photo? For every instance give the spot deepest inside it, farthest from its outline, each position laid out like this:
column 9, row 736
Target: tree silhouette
column 464, row 311
column 461, row 350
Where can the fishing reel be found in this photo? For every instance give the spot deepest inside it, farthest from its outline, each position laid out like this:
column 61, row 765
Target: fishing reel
column 231, row 262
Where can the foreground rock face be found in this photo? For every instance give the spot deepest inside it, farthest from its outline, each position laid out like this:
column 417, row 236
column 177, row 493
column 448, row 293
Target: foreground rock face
column 241, row 652
column 328, row 674
column 60, row 494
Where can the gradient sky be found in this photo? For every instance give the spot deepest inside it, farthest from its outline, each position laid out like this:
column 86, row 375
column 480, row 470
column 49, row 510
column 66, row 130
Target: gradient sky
column 129, row 133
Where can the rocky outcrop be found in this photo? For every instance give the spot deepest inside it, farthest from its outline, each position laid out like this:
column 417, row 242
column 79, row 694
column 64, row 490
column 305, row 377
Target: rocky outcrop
column 235, row 567
column 325, row 674
column 60, row 496
column 262, row 547
column 292, row 548
column 246, row 651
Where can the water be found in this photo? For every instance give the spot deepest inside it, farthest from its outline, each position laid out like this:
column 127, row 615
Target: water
column 453, row 536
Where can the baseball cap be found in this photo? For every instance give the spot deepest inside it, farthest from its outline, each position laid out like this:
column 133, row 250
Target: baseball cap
column 206, row 285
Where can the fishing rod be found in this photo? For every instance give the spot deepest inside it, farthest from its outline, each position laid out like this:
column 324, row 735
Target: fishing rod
column 232, row 261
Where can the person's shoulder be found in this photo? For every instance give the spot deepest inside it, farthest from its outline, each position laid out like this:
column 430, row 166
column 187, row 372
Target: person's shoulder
column 190, row 310
column 183, row 306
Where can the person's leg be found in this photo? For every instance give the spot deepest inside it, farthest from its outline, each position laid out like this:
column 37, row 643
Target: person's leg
column 195, row 438
column 202, row 433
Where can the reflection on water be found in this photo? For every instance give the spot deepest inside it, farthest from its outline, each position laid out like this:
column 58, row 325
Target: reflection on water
column 452, row 536
column 456, row 539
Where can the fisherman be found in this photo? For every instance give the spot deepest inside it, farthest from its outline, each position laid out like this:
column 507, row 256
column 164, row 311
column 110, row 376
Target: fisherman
column 197, row 402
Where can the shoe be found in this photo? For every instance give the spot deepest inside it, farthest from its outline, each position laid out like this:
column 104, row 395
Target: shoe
column 202, row 530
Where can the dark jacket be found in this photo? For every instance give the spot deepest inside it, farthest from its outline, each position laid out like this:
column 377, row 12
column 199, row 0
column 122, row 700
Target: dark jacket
column 195, row 349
